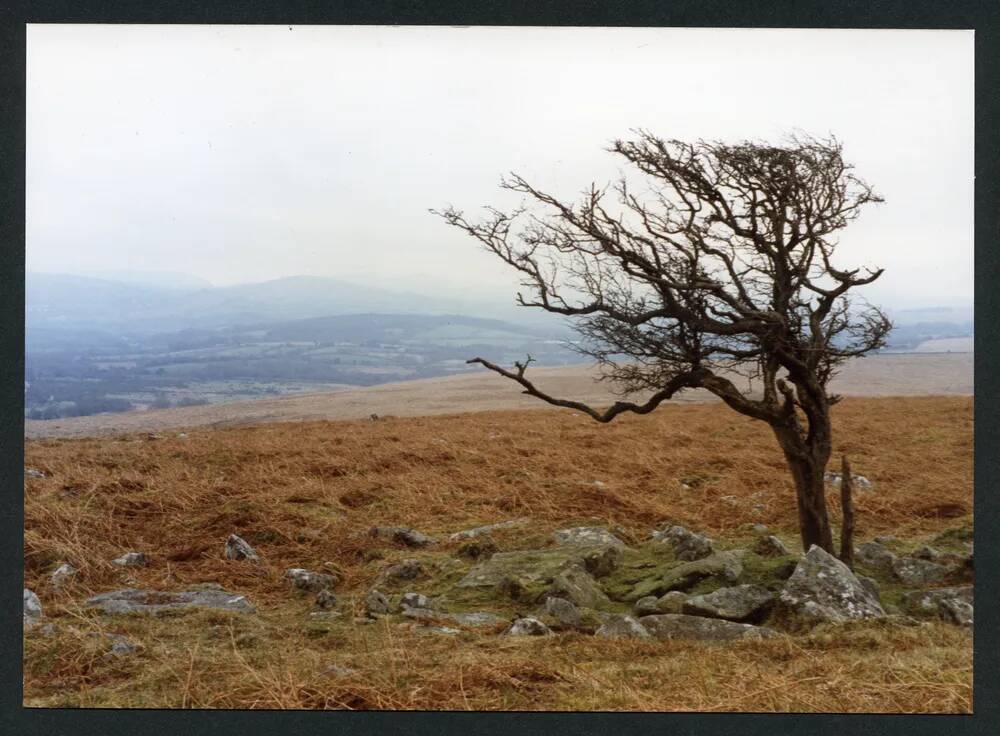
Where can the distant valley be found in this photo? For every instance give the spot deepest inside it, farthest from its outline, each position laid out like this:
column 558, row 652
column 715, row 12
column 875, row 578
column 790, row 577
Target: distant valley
column 97, row 344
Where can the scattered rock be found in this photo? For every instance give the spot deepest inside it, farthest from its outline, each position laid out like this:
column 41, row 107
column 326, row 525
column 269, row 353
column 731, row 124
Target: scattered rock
column 402, row 571
column 860, row 481
column 325, row 600
column 823, row 588
column 885, row 539
column 587, row 536
column 681, row 626
column 375, row 603
column 617, row 626
column 917, row 572
column 32, row 608
column 120, row 646
column 238, row 549
column 950, row 604
column 687, row 545
column 308, row 580
column 563, row 612
column 481, row 530
column 875, row 555
column 402, row 535
column 475, row 549
column 672, row 602
column 339, row 670
column 442, row 630
column 415, row 600
column 325, row 614
column 63, row 574
column 526, row 575
column 421, row 614
column 647, row 606
column 528, row 627
column 578, row 587
column 956, row 611
column 131, row 600
column 132, row 559
column 742, row 603
column 476, row 619
column 771, row 546
column 601, row 561
column 760, row 529
column 926, row 553
column 726, row 566
column 34, row 473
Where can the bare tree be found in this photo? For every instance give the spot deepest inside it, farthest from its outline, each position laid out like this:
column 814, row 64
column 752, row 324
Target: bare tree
column 720, row 267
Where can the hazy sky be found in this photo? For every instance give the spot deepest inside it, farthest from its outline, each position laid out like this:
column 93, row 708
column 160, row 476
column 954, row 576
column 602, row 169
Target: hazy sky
column 249, row 153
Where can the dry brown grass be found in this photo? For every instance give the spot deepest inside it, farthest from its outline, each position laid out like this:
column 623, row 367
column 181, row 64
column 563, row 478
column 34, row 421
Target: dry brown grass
column 303, row 494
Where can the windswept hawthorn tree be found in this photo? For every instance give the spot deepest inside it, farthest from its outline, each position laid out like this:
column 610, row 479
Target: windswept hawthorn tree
column 722, row 267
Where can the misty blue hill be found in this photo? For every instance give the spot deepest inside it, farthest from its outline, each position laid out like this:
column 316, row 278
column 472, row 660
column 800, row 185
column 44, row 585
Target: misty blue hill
column 53, row 299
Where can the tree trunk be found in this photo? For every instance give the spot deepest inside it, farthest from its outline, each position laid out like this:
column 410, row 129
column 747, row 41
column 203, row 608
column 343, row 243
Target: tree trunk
column 807, row 467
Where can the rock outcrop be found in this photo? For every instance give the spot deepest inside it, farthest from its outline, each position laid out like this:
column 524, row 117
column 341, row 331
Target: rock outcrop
column 823, row 589
column 682, row 626
column 742, row 603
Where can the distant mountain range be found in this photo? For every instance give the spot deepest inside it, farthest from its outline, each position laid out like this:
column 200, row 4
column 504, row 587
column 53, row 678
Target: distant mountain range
column 157, row 304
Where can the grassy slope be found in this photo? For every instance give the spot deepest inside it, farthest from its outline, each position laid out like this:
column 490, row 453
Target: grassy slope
column 303, row 494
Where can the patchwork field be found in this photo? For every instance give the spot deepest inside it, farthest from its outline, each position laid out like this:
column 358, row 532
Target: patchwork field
column 306, row 495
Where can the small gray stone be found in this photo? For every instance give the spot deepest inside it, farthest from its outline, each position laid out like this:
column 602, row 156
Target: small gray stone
column 875, row 555
column 308, row 580
column 481, row 530
column 131, row 600
column 237, row 548
column 32, row 608
column 742, row 603
column 441, row 630
column 421, row 614
column 687, row 545
column 681, row 626
column 528, row 626
column 771, row 546
column 587, row 536
column 325, row 600
column 402, row 535
column 402, row 571
column 376, row 603
column 616, row 626
column 476, row 619
column 956, row 611
column 647, row 606
column 915, row 571
column 33, row 473
column 760, row 529
column 671, row 602
column 950, row 604
column 132, row 559
column 415, row 600
column 563, row 612
column 120, row 646
column 63, row 574
column 578, row 587
column 339, row 670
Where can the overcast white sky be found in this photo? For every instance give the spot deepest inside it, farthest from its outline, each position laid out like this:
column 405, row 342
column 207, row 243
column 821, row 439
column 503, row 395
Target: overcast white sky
column 249, row 153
